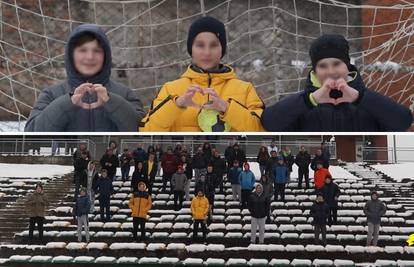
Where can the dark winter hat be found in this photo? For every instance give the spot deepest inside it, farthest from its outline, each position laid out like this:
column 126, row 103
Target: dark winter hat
column 207, row 24
column 39, row 185
column 374, row 193
column 330, row 45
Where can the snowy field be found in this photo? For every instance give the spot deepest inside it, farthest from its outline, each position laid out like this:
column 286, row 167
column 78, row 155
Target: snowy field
column 12, row 126
column 33, row 170
column 397, row 171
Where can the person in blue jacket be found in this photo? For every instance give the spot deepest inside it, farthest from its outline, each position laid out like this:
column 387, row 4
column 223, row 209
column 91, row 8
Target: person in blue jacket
column 281, row 175
column 335, row 98
column 247, row 181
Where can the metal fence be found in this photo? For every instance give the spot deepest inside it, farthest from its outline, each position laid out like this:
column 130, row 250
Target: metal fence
column 250, row 147
column 43, row 147
column 387, row 154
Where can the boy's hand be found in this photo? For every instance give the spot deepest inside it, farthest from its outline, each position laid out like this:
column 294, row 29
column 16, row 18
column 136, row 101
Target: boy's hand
column 186, row 100
column 321, row 95
column 349, row 94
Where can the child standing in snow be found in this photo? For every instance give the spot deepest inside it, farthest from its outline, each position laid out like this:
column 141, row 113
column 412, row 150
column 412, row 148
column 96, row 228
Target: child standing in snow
column 320, row 212
column 374, row 209
column 259, row 210
column 105, row 189
column 335, row 98
column 178, row 183
column 81, row 211
column 208, row 89
column 320, row 176
column 140, row 203
column 281, row 175
column 199, row 211
column 36, row 205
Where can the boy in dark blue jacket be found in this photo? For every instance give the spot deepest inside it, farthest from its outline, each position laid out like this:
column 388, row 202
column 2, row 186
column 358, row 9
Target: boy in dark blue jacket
column 81, row 211
column 335, row 98
column 105, row 189
column 281, row 176
column 233, row 177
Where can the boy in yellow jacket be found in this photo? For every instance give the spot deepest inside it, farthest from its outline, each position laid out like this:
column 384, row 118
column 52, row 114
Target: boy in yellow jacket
column 208, row 96
column 199, row 210
column 140, row 203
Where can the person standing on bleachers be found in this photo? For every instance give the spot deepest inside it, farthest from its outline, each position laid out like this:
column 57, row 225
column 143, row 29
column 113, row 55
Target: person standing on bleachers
column 219, row 167
column 92, row 177
column 234, row 177
column 81, row 166
column 259, row 206
column 281, row 177
column 152, row 169
column 289, row 160
column 320, row 176
column 82, row 148
column 158, row 155
column 331, row 192
column 139, row 154
column 271, row 164
column 268, row 191
column 320, row 212
column 199, row 211
column 239, row 154
column 178, row 182
column 110, row 162
column 262, row 158
column 319, row 157
column 199, row 163
column 36, row 205
column 140, row 203
column 169, row 164
column 302, row 160
column 126, row 160
column 210, row 185
column 140, row 174
column 188, row 171
column 374, row 209
column 105, row 189
column 247, row 181
column 81, row 211
column 272, row 147
column 229, row 155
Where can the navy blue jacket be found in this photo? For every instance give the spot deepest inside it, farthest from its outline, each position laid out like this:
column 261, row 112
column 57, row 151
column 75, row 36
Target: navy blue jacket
column 372, row 112
column 104, row 187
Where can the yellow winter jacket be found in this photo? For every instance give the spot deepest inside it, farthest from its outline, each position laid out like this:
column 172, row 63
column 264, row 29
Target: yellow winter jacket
column 199, row 208
column 140, row 204
column 243, row 113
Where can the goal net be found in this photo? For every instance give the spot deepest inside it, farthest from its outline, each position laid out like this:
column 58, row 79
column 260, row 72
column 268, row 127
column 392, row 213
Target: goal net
column 268, row 43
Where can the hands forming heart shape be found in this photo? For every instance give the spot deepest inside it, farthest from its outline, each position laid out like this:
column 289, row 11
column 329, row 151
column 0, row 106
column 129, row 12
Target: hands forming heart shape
column 335, row 92
column 99, row 89
column 215, row 103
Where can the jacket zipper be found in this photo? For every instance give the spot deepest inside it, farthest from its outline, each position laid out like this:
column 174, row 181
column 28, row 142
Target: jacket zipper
column 139, row 205
column 208, row 85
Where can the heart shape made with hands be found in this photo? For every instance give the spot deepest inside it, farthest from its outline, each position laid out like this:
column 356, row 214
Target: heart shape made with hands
column 80, row 91
column 215, row 102
column 335, row 92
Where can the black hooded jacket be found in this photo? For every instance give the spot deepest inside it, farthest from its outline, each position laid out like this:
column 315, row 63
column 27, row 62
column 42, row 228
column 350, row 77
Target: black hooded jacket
column 372, row 112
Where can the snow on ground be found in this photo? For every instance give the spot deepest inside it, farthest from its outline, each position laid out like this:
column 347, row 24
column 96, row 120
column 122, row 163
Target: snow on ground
column 397, row 171
column 12, row 126
column 33, row 170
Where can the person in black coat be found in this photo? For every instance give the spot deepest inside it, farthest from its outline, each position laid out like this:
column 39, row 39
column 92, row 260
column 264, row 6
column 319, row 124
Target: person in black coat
column 239, row 154
column 140, row 175
column 139, row 154
column 110, row 162
column 335, row 98
column 126, row 160
column 289, row 159
column 199, row 163
column 319, row 157
column 270, row 165
column 105, row 189
column 330, row 193
column 259, row 208
column 320, row 212
column 219, row 167
column 185, row 162
column 152, row 168
column 302, row 160
column 208, row 184
column 80, row 174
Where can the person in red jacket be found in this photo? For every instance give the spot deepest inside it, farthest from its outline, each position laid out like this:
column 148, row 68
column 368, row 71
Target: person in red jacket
column 320, row 175
column 169, row 164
